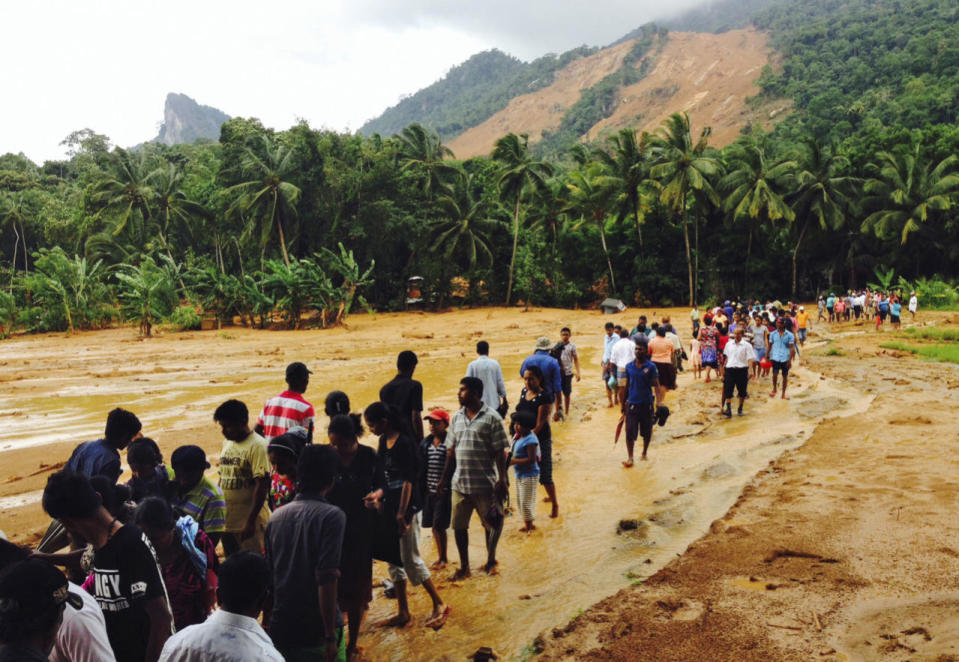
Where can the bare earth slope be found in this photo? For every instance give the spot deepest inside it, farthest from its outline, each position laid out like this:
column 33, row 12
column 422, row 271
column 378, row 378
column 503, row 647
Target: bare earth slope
column 708, row 75
column 845, row 549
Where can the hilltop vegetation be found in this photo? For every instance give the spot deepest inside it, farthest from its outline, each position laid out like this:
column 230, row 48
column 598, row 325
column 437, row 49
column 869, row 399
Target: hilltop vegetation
column 270, row 225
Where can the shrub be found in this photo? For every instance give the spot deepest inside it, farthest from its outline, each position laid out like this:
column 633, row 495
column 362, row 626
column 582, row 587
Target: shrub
column 184, row 318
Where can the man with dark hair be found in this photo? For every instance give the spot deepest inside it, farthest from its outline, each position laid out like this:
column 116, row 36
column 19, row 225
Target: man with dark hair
column 303, row 543
column 33, row 597
column 195, row 494
column 642, row 380
column 128, row 584
column 609, row 369
column 244, row 479
column 289, row 409
column 477, row 444
column 102, row 457
column 491, row 374
column 405, row 395
column 231, row 633
column 569, row 362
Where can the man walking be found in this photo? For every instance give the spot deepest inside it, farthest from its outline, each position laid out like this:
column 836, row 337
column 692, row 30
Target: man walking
column 489, row 372
column 640, row 382
column 622, row 355
column 405, row 395
column 780, row 348
column 609, row 369
column 569, row 362
column 740, row 357
column 289, row 409
column 477, row 444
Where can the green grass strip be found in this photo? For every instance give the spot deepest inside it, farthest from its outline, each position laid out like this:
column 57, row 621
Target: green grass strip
column 942, row 353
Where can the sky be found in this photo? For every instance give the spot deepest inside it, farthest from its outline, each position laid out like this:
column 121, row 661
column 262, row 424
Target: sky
column 108, row 65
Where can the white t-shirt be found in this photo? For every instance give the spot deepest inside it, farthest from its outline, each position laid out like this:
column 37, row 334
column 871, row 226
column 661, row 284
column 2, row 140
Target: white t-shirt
column 677, row 343
column 83, row 635
column 623, row 353
column 739, row 354
column 223, row 637
column 913, row 304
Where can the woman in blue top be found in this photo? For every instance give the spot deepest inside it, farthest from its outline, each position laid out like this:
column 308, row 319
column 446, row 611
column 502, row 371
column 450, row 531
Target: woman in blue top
column 526, row 466
column 895, row 309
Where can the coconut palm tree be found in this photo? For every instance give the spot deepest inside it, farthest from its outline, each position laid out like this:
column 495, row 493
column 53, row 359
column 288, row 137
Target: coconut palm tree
column 422, row 153
column 13, row 213
column 905, row 189
column 821, row 193
column 627, row 163
column 754, row 183
column 463, row 230
column 520, row 175
column 684, row 170
column 174, row 210
column 267, row 199
column 124, row 194
column 591, row 193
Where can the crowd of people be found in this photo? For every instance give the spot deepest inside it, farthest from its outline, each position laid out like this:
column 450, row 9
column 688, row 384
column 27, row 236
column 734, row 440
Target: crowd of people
column 301, row 519
column 867, row 304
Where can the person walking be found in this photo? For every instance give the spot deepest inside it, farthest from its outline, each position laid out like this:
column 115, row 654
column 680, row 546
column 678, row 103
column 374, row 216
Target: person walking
column 609, row 369
column 477, row 443
column 490, row 373
column 781, row 349
column 913, row 305
column 525, row 462
column 740, row 358
column 405, row 395
column 661, row 354
column 569, row 362
column 642, row 380
column 537, row 401
column 288, row 409
column 552, row 372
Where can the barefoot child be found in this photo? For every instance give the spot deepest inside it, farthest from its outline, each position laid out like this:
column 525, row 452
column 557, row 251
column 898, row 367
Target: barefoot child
column 525, row 465
column 695, row 353
column 437, row 504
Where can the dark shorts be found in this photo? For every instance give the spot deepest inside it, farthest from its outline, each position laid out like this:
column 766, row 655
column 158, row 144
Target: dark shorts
column 781, row 366
column 667, row 375
column 639, row 421
column 546, row 461
column 882, row 315
column 437, row 510
column 893, row 319
column 735, row 378
column 567, row 384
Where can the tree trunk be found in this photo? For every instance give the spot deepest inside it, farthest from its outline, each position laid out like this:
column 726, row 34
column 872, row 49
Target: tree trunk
column 26, row 255
column 689, row 257
column 696, row 259
column 512, row 260
column 639, row 226
column 749, row 250
column 16, row 245
column 279, row 227
column 609, row 263
column 802, row 235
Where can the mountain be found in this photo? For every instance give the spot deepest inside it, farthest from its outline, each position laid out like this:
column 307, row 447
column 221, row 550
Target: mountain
column 184, row 121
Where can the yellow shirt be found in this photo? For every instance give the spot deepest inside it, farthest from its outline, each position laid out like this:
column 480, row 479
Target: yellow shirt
column 802, row 319
column 241, row 463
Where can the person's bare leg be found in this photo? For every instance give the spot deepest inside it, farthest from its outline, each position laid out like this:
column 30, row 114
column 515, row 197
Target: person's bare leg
column 355, row 614
column 438, row 605
column 439, row 535
column 551, row 491
column 629, row 452
column 402, row 605
column 775, row 384
column 646, row 441
column 462, row 539
column 492, row 540
column 566, row 403
column 785, row 381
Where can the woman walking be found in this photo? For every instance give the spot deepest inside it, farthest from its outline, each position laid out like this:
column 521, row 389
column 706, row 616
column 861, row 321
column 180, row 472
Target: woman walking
column 538, row 401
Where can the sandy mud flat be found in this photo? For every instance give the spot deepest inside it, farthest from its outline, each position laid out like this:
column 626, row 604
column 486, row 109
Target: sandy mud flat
column 840, row 497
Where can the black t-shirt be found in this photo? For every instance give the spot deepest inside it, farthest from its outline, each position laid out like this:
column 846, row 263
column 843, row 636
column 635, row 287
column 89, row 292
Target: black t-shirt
column 396, row 466
column 543, row 399
column 126, row 576
column 405, row 395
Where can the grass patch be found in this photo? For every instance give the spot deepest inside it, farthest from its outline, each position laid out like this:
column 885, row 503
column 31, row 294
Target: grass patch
column 941, row 353
column 933, row 333
column 835, row 351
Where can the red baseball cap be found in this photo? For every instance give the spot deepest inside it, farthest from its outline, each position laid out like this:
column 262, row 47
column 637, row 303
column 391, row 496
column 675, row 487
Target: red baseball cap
column 438, row 415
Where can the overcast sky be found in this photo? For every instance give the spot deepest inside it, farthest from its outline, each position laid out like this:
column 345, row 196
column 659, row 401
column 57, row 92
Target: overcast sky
column 108, row 64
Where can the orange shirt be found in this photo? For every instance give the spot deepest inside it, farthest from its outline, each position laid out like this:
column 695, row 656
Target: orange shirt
column 802, row 318
column 660, row 350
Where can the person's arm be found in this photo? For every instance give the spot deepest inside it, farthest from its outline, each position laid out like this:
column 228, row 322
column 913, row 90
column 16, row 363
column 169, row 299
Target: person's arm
column 557, row 379
column 500, row 382
column 405, row 494
column 654, row 382
column 530, row 456
column 417, row 413
column 160, row 626
column 256, row 505
column 542, row 418
column 69, row 560
column 792, row 351
column 327, row 596
column 500, row 489
column 447, row 471
column 327, row 577
column 576, row 363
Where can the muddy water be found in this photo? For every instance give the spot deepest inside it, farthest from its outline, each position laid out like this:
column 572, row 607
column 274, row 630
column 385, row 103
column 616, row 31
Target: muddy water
column 698, row 465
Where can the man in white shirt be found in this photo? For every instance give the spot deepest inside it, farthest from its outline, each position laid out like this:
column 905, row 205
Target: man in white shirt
column 489, row 372
column 621, row 355
column 609, row 370
column 740, row 357
column 232, row 633
column 913, row 305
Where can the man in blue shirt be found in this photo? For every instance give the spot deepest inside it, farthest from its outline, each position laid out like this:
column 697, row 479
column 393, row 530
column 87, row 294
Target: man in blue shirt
column 550, row 367
column 780, row 348
column 102, row 457
column 642, row 381
column 608, row 341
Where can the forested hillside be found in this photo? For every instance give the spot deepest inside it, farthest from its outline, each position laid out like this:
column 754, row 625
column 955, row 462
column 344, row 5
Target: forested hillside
column 858, row 184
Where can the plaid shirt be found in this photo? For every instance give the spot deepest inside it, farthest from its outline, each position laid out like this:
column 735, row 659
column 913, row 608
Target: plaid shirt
column 476, row 444
column 205, row 504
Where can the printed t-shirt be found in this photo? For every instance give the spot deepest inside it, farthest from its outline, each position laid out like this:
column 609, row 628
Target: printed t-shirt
column 241, row 463
column 566, row 358
column 288, row 409
column 520, row 449
column 474, row 443
column 126, row 576
column 779, row 346
column 96, row 458
column 660, row 350
column 83, row 635
column 640, row 388
column 204, row 503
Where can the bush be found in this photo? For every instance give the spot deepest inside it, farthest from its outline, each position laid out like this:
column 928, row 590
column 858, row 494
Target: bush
column 184, row 318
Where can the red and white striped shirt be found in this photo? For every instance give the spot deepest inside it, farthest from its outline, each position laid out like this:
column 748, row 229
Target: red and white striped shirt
column 283, row 412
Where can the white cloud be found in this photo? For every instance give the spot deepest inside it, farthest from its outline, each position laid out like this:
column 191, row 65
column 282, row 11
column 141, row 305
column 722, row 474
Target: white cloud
column 109, row 64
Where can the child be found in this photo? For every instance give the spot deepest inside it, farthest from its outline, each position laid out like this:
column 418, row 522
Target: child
column 437, row 505
column 694, row 352
column 525, row 465
column 150, row 476
column 766, row 365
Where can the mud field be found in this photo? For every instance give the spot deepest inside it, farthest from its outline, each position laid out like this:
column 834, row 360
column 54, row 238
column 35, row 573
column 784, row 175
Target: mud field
column 820, row 527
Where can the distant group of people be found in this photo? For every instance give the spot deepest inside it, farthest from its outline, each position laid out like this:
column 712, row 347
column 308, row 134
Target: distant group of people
column 300, row 522
column 867, row 304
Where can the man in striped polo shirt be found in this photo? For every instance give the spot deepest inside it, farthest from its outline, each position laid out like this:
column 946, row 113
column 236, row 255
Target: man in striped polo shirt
column 289, row 409
column 197, row 495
